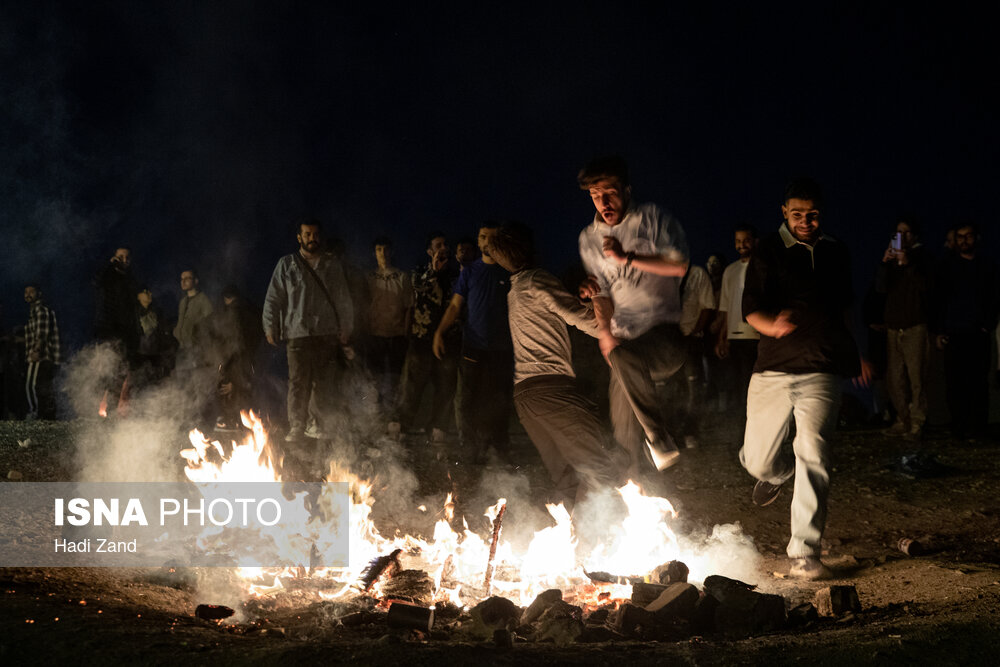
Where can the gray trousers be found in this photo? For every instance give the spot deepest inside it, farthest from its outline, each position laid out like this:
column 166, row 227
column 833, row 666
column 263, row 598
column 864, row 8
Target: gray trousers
column 906, row 373
column 312, row 373
column 636, row 366
column 564, row 428
column 813, row 400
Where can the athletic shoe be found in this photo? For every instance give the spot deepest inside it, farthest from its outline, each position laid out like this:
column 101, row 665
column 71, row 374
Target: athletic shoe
column 664, row 454
column 764, row 493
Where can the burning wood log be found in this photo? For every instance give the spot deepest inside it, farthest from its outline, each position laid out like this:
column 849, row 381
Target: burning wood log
column 410, row 616
column 672, row 572
column 388, row 564
column 608, row 578
column 497, row 526
column 213, row 612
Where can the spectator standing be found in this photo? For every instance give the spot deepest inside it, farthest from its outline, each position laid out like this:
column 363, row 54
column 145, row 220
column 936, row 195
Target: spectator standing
column 116, row 323
column 487, row 364
column 308, row 306
column 192, row 311
column 432, row 286
column 41, row 352
column 736, row 342
column 390, row 304
column 155, row 356
column 697, row 312
column 965, row 305
column 904, row 277
column 234, row 336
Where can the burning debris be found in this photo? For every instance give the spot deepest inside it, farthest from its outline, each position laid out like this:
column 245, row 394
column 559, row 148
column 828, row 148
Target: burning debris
column 458, row 584
column 382, row 565
column 497, row 526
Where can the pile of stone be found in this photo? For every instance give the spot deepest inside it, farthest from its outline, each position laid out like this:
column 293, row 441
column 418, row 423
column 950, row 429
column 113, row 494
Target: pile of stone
column 671, row 610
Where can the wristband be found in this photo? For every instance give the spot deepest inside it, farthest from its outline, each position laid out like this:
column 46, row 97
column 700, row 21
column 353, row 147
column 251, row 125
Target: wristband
column 629, row 256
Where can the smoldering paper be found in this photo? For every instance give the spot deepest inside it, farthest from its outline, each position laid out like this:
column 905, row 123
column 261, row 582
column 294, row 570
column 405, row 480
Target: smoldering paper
column 174, row 524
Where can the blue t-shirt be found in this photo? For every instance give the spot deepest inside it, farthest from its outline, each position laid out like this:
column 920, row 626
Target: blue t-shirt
column 484, row 288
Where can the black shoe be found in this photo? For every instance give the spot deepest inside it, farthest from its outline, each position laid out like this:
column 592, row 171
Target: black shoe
column 764, row 493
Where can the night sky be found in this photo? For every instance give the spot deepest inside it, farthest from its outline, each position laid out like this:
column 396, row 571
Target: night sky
column 196, row 132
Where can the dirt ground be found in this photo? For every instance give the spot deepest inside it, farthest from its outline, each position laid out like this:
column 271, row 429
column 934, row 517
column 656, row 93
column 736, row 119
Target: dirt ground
column 943, row 607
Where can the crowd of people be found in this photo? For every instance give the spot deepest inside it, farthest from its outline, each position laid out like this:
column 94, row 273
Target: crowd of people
column 470, row 337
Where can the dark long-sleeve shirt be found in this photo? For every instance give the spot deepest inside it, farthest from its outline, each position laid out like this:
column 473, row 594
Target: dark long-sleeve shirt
column 814, row 283
column 906, row 288
column 966, row 295
column 117, row 316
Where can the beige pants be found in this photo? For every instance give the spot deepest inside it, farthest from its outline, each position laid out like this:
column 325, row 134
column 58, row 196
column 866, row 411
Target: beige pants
column 813, row 401
column 907, row 372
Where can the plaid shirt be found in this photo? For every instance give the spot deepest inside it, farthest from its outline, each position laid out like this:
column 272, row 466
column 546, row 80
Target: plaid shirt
column 42, row 333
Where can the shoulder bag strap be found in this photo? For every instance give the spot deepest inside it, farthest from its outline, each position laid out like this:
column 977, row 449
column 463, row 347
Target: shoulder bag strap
column 319, row 281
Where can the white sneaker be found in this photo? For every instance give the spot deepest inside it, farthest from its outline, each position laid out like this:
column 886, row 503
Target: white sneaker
column 313, row 431
column 664, row 454
column 809, row 568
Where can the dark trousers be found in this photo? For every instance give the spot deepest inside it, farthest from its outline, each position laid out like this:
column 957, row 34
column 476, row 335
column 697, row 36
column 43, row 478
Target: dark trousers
column 38, row 388
column 237, row 373
column 742, row 357
column 312, row 373
column 421, row 369
column 685, row 391
column 966, row 363
column 564, row 428
column 384, row 358
column 487, row 378
column 636, row 365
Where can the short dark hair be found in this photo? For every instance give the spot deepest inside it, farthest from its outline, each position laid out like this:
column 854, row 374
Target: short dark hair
column 515, row 244
column 803, row 187
column 230, row 292
column 309, row 220
column 605, row 166
column 436, row 234
column 193, row 272
column 961, row 224
column 912, row 221
column 746, row 227
column 489, row 224
column 382, row 240
column 467, row 240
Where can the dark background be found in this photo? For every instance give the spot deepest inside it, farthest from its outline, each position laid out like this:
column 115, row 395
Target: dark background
column 196, row 132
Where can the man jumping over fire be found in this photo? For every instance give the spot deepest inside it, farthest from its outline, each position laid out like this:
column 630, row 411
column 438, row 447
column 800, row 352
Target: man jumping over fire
column 560, row 421
column 636, row 255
